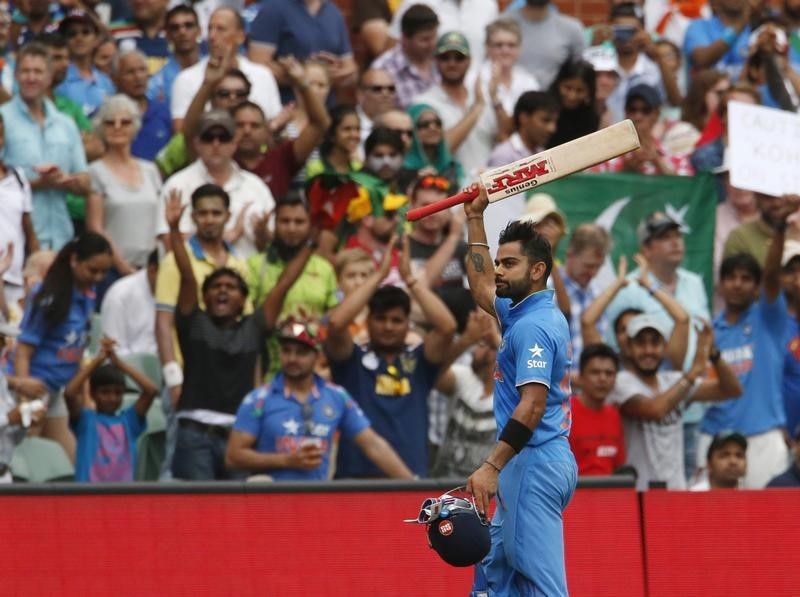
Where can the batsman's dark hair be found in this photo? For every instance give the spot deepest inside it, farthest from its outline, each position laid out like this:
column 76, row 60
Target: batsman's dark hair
column 104, row 376
column 598, row 351
column 222, row 272
column 210, row 190
column 535, row 246
column 389, row 297
column 383, row 136
column 533, row 101
column 54, row 296
column 742, row 261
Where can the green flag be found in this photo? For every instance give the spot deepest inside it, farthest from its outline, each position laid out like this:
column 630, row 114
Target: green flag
column 618, row 202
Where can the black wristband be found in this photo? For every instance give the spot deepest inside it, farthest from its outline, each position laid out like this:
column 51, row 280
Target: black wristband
column 516, row 435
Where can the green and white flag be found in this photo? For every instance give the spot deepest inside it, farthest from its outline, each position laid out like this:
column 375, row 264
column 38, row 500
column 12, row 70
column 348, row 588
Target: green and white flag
column 618, row 202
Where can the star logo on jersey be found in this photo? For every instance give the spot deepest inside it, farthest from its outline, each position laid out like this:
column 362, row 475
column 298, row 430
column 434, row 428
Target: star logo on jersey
column 291, row 426
column 71, row 337
column 536, row 351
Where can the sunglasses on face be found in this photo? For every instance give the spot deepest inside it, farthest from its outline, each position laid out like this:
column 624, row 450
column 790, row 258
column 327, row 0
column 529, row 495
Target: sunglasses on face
column 434, row 182
column 228, row 93
column 121, row 122
column 426, row 124
column 178, row 26
column 451, row 57
column 211, row 136
column 391, row 89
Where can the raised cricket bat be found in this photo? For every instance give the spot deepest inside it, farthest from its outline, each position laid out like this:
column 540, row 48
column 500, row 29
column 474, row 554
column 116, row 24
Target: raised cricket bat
column 544, row 167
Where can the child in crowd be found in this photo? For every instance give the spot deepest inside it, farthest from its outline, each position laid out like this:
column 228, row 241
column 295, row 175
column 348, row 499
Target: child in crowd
column 107, row 439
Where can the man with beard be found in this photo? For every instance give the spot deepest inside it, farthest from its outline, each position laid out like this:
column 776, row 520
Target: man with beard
column 183, row 34
column 651, row 400
column 389, row 379
column 755, row 237
column 721, row 41
column 287, row 428
column 220, row 343
column 314, row 292
column 282, row 160
column 532, row 457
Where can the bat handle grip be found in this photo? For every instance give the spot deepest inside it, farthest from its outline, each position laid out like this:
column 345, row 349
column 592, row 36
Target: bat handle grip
column 446, row 203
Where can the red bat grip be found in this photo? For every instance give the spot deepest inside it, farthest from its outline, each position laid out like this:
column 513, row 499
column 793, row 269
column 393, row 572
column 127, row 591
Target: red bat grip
column 426, row 210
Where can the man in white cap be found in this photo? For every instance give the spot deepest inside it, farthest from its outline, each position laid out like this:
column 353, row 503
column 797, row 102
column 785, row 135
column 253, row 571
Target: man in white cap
column 651, row 401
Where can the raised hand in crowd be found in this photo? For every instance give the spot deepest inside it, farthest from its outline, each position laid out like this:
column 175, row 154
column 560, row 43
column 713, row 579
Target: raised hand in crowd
column 592, row 314
column 237, row 231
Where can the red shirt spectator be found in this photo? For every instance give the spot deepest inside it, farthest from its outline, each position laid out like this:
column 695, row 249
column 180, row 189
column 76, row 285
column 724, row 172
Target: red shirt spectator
column 596, row 438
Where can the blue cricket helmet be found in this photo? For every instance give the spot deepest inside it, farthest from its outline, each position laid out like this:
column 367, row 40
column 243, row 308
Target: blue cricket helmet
column 458, row 533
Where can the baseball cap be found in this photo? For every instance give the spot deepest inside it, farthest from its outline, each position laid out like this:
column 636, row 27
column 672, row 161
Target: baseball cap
column 654, row 225
column 791, row 249
column 214, row 118
column 541, row 205
column 646, row 92
column 76, row 16
column 645, row 321
column 602, row 59
column 452, row 42
column 302, row 332
column 722, row 438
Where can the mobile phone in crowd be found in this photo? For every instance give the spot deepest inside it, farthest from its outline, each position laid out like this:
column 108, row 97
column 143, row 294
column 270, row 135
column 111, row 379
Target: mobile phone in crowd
column 623, row 33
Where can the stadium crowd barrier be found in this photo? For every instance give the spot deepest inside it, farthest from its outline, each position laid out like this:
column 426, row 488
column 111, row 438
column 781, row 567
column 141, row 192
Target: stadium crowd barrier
column 343, row 538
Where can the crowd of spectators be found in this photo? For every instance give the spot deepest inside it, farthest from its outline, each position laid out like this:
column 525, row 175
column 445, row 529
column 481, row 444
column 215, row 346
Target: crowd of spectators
column 221, row 188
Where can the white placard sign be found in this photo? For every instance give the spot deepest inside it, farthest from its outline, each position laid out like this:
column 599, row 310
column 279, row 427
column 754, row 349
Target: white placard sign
column 764, row 149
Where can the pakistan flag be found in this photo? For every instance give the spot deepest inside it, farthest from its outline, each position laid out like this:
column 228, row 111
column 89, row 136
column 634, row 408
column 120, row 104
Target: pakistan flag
column 618, row 202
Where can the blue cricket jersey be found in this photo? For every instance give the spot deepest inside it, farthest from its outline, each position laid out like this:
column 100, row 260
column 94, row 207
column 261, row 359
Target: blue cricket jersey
column 281, row 424
column 754, row 348
column 535, row 349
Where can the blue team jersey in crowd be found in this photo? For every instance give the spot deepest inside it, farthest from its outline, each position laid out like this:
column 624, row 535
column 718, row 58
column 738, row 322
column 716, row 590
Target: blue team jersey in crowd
column 107, row 445
column 395, row 398
column 754, row 348
column 535, row 349
column 281, row 424
column 59, row 348
column 791, row 376
column 704, row 32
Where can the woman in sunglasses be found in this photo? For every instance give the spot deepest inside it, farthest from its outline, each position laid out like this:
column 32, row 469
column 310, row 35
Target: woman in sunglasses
column 125, row 189
column 429, row 153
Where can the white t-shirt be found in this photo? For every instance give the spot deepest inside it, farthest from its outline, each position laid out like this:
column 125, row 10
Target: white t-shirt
column 521, row 81
column 243, row 187
column 128, row 314
column 263, row 88
column 654, row 448
column 15, row 200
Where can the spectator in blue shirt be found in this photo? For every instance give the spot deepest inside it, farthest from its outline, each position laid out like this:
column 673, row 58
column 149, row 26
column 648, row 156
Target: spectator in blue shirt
column 287, row 428
column 129, row 69
column 721, row 41
column 107, row 439
column 390, row 379
column 751, row 334
column 183, row 34
column 46, row 144
column 791, row 477
column 55, row 327
column 145, row 32
column 303, row 29
column 84, row 83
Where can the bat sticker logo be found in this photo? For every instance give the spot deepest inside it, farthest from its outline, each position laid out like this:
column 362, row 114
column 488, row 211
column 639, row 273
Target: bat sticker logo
column 514, row 182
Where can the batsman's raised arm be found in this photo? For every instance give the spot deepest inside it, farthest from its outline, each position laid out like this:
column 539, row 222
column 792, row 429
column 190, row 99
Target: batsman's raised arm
column 480, row 267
